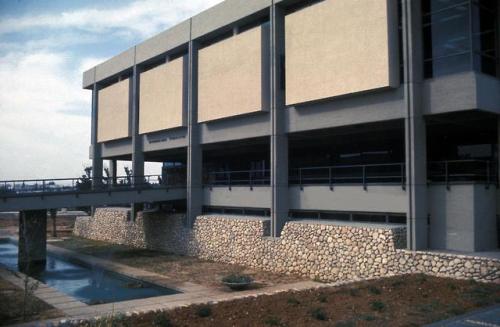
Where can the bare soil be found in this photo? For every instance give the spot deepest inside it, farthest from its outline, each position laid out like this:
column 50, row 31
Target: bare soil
column 12, row 304
column 9, row 222
column 176, row 268
column 411, row 300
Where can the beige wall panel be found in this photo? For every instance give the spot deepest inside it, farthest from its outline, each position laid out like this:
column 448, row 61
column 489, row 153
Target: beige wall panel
column 113, row 112
column 339, row 47
column 161, row 104
column 229, row 77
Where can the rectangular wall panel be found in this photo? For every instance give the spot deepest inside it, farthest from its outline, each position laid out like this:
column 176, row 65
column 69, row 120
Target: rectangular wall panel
column 162, row 97
column 113, row 112
column 338, row 47
column 231, row 76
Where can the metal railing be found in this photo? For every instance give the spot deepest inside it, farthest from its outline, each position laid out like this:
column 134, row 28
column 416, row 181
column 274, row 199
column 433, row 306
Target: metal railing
column 391, row 173
column 453, row 171
column 82, row 185
column 238, row 178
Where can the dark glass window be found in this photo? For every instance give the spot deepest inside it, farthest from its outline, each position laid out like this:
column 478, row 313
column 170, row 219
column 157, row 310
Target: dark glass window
column 460, row 36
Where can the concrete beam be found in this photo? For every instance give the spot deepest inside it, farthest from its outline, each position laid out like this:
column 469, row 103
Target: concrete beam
column 224, row 14
column 170, row 39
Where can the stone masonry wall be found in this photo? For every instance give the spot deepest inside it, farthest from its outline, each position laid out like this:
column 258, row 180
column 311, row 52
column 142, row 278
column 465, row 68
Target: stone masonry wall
column 313, row 249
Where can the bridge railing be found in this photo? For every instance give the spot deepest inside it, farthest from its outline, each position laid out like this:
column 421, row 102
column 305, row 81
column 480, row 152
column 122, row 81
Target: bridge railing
column 84, row 184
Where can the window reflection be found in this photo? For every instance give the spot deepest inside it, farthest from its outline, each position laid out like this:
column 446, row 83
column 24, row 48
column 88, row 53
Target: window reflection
column 460, row 36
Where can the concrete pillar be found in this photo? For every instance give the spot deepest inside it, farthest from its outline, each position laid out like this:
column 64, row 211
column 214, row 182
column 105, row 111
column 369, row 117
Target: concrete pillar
column 32, row 239
column 95, row 149
column 113, row 171
column 137, row 153
column 279, row 138
column 415, row 129
column 194, row 152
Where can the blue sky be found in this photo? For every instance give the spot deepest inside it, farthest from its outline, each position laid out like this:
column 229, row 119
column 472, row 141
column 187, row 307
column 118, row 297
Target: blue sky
column 44, row 48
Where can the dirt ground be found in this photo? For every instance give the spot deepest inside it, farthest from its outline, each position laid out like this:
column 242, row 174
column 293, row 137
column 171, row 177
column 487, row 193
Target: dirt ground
column 175, row 267
column 64, row 224
column 412, row 300
column 11, row 306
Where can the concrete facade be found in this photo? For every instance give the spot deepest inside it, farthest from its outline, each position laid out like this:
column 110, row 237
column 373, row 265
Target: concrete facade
column 113, row 120
column 163, row 97
column 271, row 70
column 331, row 44
column 230, row 76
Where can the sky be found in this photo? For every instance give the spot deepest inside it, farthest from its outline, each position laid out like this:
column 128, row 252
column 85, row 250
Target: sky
column 45, row 46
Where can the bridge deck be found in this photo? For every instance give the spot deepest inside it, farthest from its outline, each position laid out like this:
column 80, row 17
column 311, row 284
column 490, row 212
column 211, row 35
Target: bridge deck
column 63, row 193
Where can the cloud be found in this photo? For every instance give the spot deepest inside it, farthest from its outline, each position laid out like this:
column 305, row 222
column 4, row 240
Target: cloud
column 44, row 113
column 141, row 18
column 37, row 140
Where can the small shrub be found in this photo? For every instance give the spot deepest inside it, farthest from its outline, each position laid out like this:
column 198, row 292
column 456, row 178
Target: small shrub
column 322, row 298
column 319, row 314
column 367, row 317
column 204, row 311
column 456, row 311
column 421, row 278
column 348, row 323
column 354, row 292
column 293, row 301
column 451, row 286
column 237, row 278
column 398, row 283
column 374, row 290
column 273, row 321
column 161, row 320
column 377, row 305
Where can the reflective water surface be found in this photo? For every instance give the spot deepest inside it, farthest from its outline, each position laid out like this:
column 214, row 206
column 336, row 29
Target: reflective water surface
column 89, row 285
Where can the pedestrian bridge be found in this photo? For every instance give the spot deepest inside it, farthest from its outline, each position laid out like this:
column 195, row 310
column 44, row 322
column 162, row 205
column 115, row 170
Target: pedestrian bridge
column 20, row 195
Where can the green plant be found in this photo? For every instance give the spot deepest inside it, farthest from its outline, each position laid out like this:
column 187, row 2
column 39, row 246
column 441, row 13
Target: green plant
column 456, row 311
column 348, row 323
column 354, row 292
column 204, row 311
column 377, row 305
column 451, row 286
column 398, row 283
column 273, row 321
column 237, row 279
column 367, row 317
column 421, row 278
column 374, row 290
column 322, row 298
column 161, row 320
column 292, row 300
column 319, row 314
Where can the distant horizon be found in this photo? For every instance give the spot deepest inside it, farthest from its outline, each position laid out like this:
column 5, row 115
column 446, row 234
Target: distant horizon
column 45, row 46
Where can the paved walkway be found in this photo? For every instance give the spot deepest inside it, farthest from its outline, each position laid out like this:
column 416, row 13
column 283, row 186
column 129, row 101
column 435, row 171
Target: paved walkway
column 488, row 317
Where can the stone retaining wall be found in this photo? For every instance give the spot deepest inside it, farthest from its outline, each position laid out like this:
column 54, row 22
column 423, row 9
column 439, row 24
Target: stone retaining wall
column 313, row 249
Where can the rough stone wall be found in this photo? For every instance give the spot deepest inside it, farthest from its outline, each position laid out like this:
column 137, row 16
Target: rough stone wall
column 313, row 249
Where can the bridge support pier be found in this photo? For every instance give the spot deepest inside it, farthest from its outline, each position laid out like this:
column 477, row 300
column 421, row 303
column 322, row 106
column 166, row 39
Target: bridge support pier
column 32, row 239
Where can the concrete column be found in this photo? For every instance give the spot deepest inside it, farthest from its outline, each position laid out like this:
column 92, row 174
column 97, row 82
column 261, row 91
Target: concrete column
column 95, row 148
column 194, row 152
column 415, row 129
column 32, row 239
column 279, row 138
column 112, row 171
column 137, row 153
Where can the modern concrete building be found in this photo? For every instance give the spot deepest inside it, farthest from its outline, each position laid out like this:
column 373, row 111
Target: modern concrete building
column 378, row 111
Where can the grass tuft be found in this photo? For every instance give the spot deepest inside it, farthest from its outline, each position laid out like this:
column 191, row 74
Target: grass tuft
column 319, row 314
column 377, row 306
